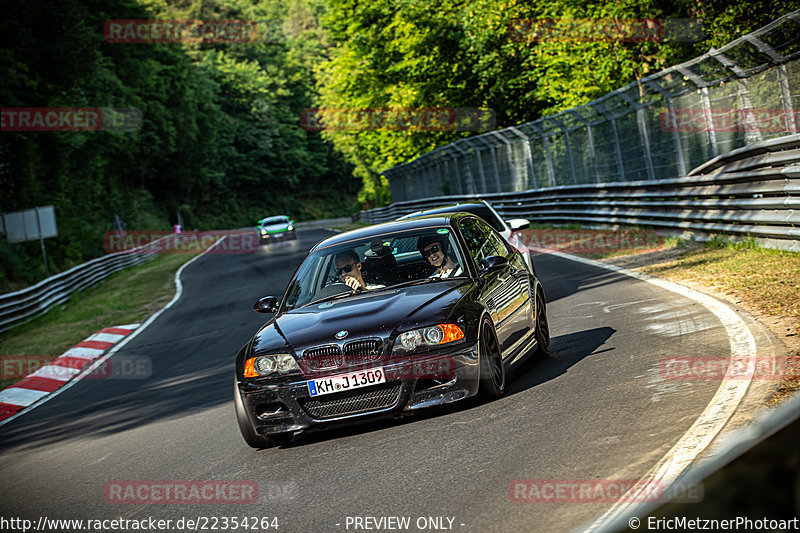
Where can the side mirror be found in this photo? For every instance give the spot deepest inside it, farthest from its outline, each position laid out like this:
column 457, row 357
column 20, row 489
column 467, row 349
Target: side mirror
column 267, row 304
column 517, row 224
column 493, row 263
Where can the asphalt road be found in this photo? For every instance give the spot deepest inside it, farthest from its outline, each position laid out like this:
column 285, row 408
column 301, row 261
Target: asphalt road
column 597, row 410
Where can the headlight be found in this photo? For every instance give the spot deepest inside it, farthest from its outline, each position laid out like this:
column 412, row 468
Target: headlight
column 430, row 336
column 290, row 228
column 269, row 364
column 263, row 232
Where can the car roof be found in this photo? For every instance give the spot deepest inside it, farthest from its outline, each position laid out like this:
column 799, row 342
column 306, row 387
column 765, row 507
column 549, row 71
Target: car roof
column 452, row 208
column 480, row 208
column 419, row 223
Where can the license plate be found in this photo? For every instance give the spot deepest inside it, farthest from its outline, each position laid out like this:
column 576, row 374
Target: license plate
column 343, row 382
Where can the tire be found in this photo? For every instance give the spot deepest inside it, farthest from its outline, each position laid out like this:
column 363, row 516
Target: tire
column 253, row 439
column 542, row 328
column 493, row 371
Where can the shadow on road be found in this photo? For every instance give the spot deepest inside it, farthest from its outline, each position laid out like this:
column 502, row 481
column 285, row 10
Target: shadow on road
column 566, row 350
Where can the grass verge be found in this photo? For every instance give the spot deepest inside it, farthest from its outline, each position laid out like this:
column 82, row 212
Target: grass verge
column 126, row 297
column 764, row 282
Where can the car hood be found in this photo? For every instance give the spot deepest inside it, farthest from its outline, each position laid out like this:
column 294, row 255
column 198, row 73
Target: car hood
column 371, row 314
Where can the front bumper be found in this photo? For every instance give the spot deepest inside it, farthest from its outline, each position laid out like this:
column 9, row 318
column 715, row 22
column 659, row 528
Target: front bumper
column 411, row 384
column 277, row 236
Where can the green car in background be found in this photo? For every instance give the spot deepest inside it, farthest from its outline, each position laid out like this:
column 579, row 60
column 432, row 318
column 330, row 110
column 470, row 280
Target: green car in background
column 277, row 228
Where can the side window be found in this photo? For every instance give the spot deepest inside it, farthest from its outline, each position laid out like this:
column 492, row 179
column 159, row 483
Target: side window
column 497, row 244
column 474, row 238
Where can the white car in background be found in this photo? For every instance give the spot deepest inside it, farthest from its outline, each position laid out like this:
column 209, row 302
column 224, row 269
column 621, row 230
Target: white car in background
column 508, row 229
column 277, row 228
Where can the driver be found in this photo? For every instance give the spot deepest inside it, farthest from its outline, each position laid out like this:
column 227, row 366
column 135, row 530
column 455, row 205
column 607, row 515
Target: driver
column 434, row 249
column 348, row 270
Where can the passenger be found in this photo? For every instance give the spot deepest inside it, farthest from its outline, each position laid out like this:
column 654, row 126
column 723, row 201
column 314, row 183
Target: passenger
column 435, row 250
column 348, row 269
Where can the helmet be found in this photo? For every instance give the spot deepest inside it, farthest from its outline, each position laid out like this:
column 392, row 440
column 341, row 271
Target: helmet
column 427, row 240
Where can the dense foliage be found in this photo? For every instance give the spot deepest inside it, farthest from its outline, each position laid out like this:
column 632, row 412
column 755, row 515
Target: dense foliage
column 455, row 53
column 221, row 141
column 222, row 144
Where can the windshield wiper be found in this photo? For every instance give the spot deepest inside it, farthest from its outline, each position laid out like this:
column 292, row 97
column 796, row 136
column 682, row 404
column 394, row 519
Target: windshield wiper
column 334, row 297
column 413, row 282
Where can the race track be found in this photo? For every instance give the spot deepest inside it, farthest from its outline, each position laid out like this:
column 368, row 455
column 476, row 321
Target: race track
column 597, row 410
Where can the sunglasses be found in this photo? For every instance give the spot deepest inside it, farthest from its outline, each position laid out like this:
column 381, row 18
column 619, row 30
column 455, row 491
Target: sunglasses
column 346, row 268
column 430, row 251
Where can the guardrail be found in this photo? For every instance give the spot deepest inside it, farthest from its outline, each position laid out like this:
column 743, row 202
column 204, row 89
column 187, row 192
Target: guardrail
column 23, row 305
column 751, row 191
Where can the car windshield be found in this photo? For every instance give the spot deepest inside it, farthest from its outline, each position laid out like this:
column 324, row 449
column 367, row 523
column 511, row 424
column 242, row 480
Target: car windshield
column 383, row 261
column 275, row 220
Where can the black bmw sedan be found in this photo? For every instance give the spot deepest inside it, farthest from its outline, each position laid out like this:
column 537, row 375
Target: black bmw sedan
column 386, row 320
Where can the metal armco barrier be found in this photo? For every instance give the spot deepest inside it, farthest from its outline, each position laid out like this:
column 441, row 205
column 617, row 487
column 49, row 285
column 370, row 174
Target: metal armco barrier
column 749, row 191
column 21, row 306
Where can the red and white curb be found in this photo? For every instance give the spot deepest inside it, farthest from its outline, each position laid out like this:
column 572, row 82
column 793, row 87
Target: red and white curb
column 56, row 374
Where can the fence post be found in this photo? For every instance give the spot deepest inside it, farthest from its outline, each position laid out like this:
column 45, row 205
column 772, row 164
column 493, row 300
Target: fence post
column 705, row 101
column 752, row 135
column 676, row 135
column 480, row 169
column 786, row 99
column 648, row 157
column 548, row 158
column 438, row 164
column 489, row 146
column 447, row 173
column 617, row 150
column 496, row 168
column 507, row 144
column 570, row 164
column 641, row 124
column 470, row 180
column 526, row 146
column 589, row 143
